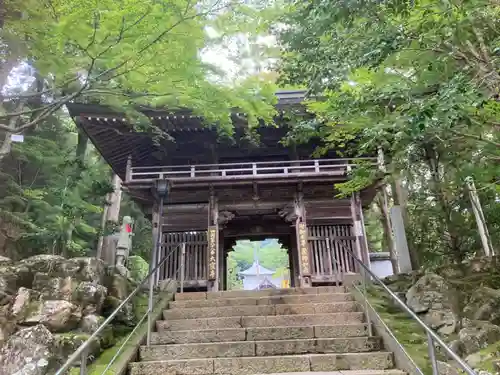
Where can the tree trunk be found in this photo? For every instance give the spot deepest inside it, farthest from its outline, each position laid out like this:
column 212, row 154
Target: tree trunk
column 112, row 216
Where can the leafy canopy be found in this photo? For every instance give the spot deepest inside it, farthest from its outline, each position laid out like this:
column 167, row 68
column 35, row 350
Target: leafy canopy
column 419, row 79
column 126, row 54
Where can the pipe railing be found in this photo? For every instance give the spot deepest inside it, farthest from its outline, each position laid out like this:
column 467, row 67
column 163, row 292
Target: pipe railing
column 432, row 337
column 82, row 351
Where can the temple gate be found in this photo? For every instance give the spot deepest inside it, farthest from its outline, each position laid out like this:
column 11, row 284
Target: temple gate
column 206, row 193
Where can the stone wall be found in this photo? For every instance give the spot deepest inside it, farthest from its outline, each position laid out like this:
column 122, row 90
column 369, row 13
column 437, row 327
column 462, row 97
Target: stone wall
column 49, row 305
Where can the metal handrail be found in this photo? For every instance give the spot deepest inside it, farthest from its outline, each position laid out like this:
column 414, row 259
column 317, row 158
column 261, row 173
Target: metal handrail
column 432, row 337
column 82, row 350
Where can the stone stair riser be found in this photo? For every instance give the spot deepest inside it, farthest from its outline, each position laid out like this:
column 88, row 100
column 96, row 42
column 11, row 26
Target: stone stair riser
column 260, row 321
column 270, row 300
column 264, row 310
column 266, row 365
column 259, row 348
column 258, row 334
column 259, row 293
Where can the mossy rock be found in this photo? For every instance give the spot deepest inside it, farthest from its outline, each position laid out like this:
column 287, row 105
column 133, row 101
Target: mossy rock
column 125, row 316
column 68, row 343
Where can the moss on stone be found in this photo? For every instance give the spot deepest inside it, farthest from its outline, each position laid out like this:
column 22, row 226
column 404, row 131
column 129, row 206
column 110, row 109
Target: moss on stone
column 490, row 354
column 406, row 330
column 101, row 362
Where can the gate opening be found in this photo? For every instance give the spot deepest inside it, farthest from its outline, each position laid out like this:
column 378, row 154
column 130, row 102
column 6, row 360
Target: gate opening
column 254, row 265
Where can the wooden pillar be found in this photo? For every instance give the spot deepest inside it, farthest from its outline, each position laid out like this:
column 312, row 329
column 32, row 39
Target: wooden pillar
column 294, row 262
column 213, row 245
column 302, row 243
column 222, row 263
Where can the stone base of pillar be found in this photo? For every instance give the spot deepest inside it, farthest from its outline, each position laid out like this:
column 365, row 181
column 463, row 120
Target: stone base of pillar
column 305, row 282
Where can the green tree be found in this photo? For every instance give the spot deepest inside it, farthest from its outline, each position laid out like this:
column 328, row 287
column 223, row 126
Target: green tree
column 52, row 197
column 419, row 79
column 122, row 55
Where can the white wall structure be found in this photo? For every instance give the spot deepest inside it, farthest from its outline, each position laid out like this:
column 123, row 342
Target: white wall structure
column 381, row 264
column 257, row 275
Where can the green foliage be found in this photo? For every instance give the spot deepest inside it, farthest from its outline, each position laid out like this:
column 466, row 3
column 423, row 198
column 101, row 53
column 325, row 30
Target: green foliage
column 129, row 54
column 52, row 198
column 419, row 79
column 138, row 268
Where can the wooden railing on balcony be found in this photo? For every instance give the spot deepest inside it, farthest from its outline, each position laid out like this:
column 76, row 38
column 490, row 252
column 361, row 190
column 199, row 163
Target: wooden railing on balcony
column 272, row 169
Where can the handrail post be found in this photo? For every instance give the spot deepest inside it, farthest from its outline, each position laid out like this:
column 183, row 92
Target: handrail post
column 367, row 311
column 83, row 363
column 183, row 262
column 432, row 354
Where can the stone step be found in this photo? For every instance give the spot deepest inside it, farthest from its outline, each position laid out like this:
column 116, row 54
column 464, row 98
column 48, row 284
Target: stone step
column 267, row 300
column 261, row 310
column 346, row 372
column 259, row 348
column 258, row 333
column 258, row 293
column 260, row 321
column 266, row 365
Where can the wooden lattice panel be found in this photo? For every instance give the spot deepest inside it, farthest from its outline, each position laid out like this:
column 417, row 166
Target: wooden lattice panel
column 196, row 257
column 327, row 249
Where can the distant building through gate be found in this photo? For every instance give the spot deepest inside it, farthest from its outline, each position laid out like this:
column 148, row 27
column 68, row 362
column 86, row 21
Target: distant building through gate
column 258, row 277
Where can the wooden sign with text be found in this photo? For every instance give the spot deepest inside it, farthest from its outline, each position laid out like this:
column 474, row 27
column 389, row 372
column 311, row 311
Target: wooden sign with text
column 212, row 252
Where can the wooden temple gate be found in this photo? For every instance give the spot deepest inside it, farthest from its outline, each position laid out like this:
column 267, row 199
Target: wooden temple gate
column 198, row 188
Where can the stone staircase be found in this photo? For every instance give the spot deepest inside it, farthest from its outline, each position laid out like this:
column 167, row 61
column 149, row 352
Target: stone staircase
column 264, row 332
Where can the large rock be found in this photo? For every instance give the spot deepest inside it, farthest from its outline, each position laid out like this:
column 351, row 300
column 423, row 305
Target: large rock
column 118, row 286
column 484, row 304
column 475, row 360
column 7, row 323
column 25, row 300
column 4, row 261
column 68, row 343
column 400, row 283
column 86, row 269
column 125, row 316
column 477, row 336
column 44, row 263
column 56, row 315
column 430, row 296
column 447, row 369
column 89, row 325
column 56, row 288
column 90, row 297
column 8, row 280
column 30, row 351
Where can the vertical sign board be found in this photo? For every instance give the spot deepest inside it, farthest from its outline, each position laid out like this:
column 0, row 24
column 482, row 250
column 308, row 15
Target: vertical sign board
column 303, row 250
column 212, row 253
